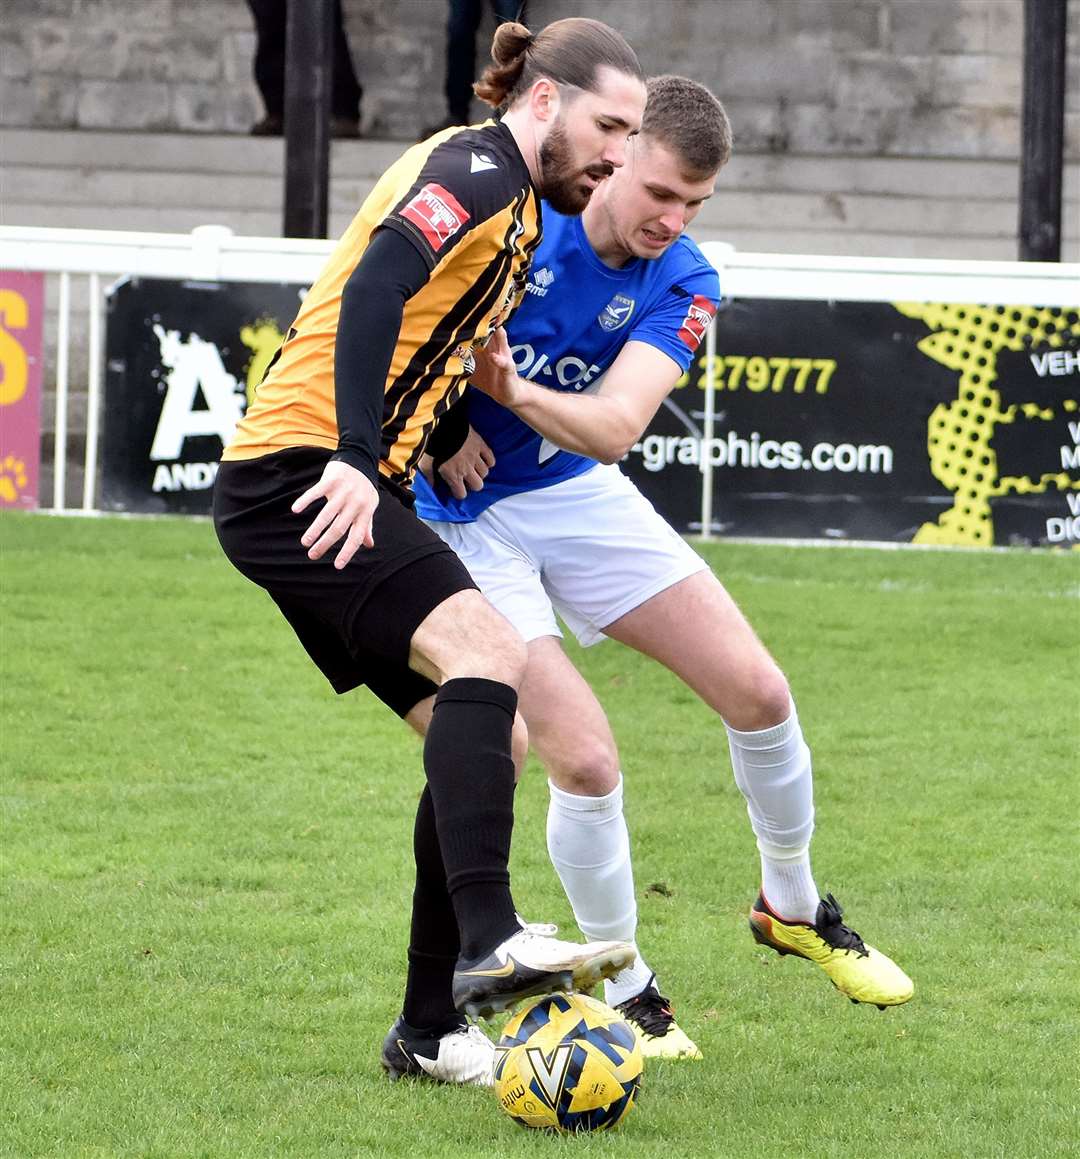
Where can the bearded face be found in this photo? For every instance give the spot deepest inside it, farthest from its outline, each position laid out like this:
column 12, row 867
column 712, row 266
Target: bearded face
column 564, row 183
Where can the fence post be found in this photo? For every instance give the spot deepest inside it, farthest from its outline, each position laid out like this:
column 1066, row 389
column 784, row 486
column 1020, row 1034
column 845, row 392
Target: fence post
column 1042, row 131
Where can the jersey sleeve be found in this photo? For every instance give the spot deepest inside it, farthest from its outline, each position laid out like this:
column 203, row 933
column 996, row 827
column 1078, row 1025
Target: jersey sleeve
column 458, row 188
column 677, row 322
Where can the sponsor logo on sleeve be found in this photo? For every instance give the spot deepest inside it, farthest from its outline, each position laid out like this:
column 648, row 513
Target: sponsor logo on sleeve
column 696, row 322
column 437, row 213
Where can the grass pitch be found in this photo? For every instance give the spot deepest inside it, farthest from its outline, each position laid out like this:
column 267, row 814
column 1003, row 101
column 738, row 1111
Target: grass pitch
column 204, row 867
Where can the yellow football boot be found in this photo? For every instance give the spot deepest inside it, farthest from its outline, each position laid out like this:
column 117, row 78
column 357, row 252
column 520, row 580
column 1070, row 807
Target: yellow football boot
column 650, row 1016
column 854, row 968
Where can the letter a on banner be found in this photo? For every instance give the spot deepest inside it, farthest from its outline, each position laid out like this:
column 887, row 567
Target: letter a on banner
column 193, row 366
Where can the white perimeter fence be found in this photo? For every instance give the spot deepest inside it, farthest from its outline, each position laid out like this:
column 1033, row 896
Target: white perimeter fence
column 213, row 253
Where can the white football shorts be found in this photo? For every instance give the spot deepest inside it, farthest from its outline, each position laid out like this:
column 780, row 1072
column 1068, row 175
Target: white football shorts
column 591, row 548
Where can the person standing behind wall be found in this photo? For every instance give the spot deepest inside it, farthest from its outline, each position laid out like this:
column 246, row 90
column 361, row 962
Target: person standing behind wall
column 269, row 70
column 463, row 20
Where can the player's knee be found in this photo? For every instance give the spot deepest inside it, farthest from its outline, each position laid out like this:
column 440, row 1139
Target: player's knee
column 766, row 701
column 589, row 769
column 484, row 644
column 501, row 652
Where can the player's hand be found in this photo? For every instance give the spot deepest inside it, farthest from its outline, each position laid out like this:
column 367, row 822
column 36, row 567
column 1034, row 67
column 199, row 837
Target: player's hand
column 351, row 499
column 495, row 373
column 467, row 470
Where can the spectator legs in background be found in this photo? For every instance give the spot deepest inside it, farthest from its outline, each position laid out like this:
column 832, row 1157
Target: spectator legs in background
column 269, row 65
column 347, row 91
column 461, row 27
column 269, row 70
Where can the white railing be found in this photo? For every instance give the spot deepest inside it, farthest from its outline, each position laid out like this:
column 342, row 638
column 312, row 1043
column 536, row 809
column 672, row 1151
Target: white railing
column 213, row 253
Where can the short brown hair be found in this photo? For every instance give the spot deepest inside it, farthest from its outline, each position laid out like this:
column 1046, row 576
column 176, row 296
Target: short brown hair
column 686, row 118
column 568, row 52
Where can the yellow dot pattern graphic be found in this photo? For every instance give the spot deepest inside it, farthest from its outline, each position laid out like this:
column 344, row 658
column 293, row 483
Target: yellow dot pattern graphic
column 960, row 436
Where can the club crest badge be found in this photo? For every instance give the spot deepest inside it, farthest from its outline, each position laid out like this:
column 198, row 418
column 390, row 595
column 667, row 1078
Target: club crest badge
column 616, row 313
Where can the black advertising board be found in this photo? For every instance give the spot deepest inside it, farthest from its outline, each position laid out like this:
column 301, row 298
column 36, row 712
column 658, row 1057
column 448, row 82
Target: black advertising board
column 909, row 422
column 901, row 421
column 182, row 359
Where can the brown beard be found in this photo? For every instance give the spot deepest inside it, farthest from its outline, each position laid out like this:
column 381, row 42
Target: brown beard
column 559, row 178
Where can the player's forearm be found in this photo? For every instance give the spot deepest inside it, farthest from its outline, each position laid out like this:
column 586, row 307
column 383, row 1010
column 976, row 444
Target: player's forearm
column 361, row 362
column 586, row 424
column 372, row 306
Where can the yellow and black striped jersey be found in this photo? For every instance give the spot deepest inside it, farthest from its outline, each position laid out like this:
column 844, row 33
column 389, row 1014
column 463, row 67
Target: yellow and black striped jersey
column 466, row 201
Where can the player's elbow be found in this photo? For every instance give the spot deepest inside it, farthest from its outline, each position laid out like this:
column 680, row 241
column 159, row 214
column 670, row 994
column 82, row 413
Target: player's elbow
column 618, row 443
column 611, row 453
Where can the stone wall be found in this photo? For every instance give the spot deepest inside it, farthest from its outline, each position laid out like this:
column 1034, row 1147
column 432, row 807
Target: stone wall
column 916, row 78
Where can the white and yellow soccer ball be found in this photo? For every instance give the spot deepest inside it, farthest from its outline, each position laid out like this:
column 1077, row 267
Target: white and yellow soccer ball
column 567, row 1063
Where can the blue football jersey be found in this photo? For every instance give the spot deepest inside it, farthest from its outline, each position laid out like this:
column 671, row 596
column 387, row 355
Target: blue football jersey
column 576, row 317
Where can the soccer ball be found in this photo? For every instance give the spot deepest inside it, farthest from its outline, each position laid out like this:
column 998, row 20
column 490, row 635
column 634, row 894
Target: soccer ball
column 567, row 1063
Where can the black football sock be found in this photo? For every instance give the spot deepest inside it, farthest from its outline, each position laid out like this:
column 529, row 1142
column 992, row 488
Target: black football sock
column 433, row 941
column 471, row 775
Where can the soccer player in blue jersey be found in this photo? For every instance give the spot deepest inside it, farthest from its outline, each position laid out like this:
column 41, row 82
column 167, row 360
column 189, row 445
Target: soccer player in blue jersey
column 533, row 503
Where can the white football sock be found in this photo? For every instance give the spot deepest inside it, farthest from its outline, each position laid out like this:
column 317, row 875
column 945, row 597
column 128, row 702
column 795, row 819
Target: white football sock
column 773, row 771
column 590, row 848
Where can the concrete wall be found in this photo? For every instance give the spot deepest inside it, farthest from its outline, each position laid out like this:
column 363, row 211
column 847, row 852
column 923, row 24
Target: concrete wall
column 912, row 78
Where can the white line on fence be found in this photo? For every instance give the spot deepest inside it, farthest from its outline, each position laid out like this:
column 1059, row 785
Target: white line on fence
column 93, row 394
column 63, row 333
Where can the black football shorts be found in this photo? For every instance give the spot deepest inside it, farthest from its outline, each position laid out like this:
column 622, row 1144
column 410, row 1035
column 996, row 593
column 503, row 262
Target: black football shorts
column 356, row 624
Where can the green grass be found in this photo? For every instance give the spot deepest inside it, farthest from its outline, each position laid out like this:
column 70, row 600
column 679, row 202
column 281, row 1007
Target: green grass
column 205, row 867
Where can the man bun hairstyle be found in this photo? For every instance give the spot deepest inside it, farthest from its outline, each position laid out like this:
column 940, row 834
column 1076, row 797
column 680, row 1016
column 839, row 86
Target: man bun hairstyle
column 686, row 118
column 568, row 52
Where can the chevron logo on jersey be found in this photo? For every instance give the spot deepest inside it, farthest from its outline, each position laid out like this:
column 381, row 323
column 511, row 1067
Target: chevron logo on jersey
column 616, row 313
column 698, row 316
column 437, row 213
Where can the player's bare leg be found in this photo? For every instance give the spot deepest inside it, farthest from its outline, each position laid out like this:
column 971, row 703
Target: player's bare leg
column 477, row 659
column 695, row 629
column 587, row 836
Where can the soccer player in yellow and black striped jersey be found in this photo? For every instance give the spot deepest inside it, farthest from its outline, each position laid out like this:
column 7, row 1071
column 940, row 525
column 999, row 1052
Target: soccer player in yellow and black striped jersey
column 312, row 503
column 464, row 204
